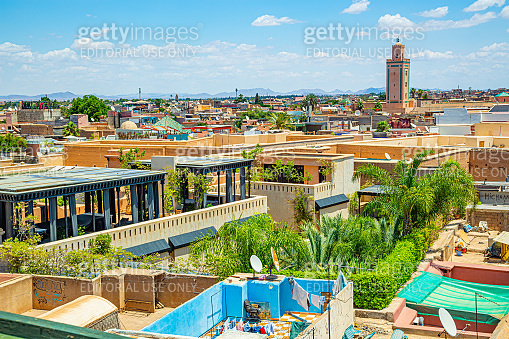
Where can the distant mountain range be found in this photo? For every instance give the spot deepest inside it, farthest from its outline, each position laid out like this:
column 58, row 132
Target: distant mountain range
column 251, row 92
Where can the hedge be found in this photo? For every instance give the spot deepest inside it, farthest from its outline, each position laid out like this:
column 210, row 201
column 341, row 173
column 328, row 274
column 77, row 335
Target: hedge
column 376, row 289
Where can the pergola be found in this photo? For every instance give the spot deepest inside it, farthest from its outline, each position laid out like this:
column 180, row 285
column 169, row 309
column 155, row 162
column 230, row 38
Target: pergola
column 372, row 191
column 66, row 182
column 217, row 165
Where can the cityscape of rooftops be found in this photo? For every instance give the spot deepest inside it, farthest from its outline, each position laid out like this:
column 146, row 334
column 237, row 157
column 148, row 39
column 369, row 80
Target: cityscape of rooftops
column 268, row 169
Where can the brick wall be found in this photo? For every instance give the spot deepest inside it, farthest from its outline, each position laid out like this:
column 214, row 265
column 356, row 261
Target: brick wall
column 489, row 164
column 36, row 129
column 496, row 219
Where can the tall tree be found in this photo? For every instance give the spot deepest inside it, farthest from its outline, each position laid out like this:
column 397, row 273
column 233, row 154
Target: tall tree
column 279, row 120
column 412, row 91
column 360, row 104
column 90, row 105
column 71, row 130
column 310, row 100
column 412, row 201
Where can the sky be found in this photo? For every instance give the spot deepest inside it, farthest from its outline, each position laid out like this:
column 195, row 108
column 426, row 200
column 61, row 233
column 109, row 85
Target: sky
column 116, row 47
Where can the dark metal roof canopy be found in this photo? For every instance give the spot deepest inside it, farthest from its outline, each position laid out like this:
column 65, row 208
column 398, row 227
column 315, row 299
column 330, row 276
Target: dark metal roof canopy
column 371, row 190
column 183, row 240
column 60, row 181
column 212, row 165
column 331, row 201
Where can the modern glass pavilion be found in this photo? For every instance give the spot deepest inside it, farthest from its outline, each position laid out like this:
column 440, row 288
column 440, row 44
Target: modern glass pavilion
column 97, row 184
column 217, row 165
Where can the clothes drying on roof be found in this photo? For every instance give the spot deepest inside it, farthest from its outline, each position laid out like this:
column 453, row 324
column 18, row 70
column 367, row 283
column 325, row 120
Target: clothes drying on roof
column 339, row 283
column 301, row 296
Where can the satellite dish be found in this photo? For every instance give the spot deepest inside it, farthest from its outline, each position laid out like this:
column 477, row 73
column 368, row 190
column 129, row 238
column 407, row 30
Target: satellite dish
column 274, row 259
column 387, row 156
column 357, row 113
column 447, row 322
column 256, row 263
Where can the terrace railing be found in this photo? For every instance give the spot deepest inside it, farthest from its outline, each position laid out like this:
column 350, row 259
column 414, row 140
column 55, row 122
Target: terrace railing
column 163, row 228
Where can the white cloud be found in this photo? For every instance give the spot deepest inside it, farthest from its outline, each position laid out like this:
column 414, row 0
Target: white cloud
column 12, row 48
column 59, row 55
column 502, row 46
column 89, row 43
column 398, row 22
column 505, row 12
column 358, row 6
column 271, row 20
column 395, row 21
column 476, row 19
column 481, row 5
column 430, row 55
column 438, row 12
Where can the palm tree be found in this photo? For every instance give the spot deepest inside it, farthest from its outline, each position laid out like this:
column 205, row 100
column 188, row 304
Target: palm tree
column 229, row 250
column 360, row 104
column 409, row 201
column 412, row 91
column 71, row 129
column 419, row 93
column 310, row 100
column 279, row 120
column 338, row 240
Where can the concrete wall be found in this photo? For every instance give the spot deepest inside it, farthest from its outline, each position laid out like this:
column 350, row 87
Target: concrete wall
column 15, row 294
column 279, row 197
column 172, row 290
column 52, row 160
column 497, row 217
column 497, row 129
column 342, row 316
column 130, row 288
column 166, row 227
column 194, row 317
column 51, row 291
column 36, row 129
column 226, row 298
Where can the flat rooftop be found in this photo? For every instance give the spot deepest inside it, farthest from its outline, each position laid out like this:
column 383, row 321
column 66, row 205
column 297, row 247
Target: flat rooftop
column 62, row 180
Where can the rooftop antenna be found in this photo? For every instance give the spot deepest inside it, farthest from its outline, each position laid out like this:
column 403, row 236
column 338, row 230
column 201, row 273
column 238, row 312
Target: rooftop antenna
column 448, row 324
column 275, row 264
column 256, row 265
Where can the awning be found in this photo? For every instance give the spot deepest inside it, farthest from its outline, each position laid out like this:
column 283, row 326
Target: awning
column 158, row 246
column 371, row 190
column 183, row 240
column 502, row 238
column 331, row 201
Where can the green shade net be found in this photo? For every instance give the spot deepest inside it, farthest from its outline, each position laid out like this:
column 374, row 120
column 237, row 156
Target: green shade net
column 428, row 292
column 297, row 328
column 166, row 121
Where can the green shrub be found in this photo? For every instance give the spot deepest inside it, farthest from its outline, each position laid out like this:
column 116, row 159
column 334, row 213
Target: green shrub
column 376, row 289
column 373, row 290
column 402, row 261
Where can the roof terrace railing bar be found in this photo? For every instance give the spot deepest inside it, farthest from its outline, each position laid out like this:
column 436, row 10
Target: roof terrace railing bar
column 169, row 226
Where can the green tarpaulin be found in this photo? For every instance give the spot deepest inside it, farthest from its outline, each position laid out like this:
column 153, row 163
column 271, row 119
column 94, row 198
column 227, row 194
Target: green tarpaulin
column 428, row 292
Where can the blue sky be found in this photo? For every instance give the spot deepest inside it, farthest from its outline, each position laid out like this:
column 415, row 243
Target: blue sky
column 222, row 45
